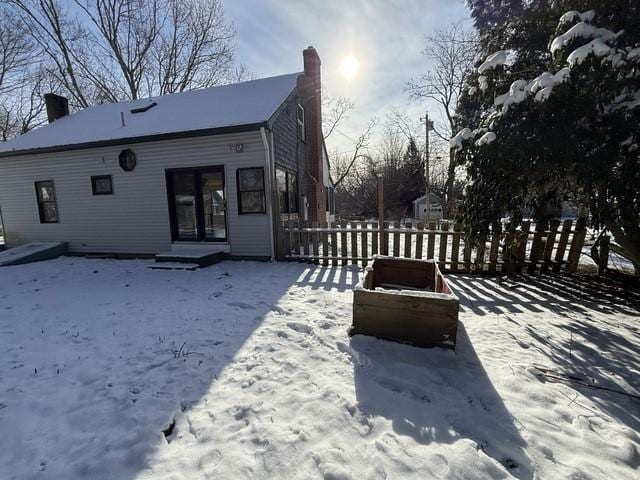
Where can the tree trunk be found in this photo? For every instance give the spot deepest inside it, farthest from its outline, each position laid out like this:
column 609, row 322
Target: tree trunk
column 450, row 184
column 628, row 247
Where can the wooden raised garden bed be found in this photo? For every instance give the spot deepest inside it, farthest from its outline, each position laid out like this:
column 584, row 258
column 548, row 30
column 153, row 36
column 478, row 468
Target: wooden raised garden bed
column 406, row 301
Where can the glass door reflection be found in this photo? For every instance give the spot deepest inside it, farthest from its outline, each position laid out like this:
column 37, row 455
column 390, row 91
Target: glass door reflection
column 214, row 205
column 184, row 198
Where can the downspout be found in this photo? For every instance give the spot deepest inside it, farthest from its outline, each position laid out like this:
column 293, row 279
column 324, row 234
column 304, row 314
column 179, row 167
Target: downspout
column 4, row 232
column 268, row 186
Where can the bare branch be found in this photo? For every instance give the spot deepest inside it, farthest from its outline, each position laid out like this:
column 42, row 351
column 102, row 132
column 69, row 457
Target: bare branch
column 452, row 53
column 361, row 144
column 195, row 49
column 335, row 110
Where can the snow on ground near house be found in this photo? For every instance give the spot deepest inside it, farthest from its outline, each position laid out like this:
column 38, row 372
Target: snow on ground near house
column 253, row 362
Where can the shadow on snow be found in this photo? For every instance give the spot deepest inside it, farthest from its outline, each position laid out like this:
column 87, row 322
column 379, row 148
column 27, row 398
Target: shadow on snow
column 581, row 332
column 436, row 395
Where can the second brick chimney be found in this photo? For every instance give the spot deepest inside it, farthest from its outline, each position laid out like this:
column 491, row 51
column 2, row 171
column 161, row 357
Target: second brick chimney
column 311, row 87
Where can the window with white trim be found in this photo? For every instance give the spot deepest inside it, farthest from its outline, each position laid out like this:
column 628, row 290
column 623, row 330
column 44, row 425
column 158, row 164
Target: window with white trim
column 301, row 123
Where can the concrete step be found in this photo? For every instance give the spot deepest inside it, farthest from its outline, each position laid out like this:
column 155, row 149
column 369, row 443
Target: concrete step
column 32, row 252
column 174, row 266
column 200, row 258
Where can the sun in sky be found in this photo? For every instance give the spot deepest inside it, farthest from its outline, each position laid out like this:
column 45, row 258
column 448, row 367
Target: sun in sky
column 349, row 67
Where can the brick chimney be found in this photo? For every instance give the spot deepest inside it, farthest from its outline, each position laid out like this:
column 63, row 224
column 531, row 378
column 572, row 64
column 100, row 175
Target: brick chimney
column 57, row 106
column 312, row 94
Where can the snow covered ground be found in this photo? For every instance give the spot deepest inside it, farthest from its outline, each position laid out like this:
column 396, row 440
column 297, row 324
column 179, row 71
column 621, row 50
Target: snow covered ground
column 253, row 364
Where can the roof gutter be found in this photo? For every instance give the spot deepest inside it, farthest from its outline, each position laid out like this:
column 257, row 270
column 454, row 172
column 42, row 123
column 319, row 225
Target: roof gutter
column 268, row 186
column 134, row 140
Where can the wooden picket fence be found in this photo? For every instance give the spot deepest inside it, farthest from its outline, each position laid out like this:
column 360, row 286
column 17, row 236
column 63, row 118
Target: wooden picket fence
column 547, row 247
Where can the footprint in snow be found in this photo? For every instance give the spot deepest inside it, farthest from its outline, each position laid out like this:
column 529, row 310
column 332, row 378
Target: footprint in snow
column 242, row 305
column 300, row 327
column 404, row 389
column 279, row 310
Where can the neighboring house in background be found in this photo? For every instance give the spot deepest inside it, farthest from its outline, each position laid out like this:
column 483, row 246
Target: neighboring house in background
column 217, row 169
column 419, row 208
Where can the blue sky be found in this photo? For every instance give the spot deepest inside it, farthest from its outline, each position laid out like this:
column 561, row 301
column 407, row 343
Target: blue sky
column 385, row 36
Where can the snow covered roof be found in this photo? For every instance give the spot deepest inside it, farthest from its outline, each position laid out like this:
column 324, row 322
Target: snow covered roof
column 241, row 104
column 435, row 199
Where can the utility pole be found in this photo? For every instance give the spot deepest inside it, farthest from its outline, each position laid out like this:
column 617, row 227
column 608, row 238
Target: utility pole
column 383, row 238
column 428, row 125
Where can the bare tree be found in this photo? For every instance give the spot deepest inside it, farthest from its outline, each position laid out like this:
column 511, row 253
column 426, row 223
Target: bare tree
column 343, row 165
column 20, row 79
column 335, row 111
column 399, row 123
column 195, row 49
column 397, row 159
column 452, row 52
column 61, row 40
column 16, row 53
column 110, row 50
column 23, row 109
column 122, row 35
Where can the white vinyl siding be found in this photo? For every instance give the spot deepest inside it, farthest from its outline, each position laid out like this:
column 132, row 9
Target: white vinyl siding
column 135, row 219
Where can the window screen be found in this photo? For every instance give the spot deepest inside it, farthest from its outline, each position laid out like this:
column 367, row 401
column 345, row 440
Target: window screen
column 47, row 206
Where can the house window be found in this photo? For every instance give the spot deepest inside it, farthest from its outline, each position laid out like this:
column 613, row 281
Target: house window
column 283, row 197
column 292, row 185
column 287, row 184
column 300, row 118
column 250, row 184
column 47, row 206
column 102, row 185
column 330, row 200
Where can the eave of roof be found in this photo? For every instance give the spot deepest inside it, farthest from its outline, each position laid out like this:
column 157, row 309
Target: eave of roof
column 135, row 140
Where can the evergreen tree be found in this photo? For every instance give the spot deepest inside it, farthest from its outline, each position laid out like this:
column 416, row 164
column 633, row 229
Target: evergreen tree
column 413, row 176
column 488, row 13
column 554, row 113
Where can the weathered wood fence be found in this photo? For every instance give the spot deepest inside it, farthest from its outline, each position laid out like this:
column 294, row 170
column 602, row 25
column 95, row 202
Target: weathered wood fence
column 541, row 247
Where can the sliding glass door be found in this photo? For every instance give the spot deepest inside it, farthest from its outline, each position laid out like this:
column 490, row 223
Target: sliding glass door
column 184, row 205
column 213, row 204
column 197, row 205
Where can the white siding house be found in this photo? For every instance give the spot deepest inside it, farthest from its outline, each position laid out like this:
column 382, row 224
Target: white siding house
column 419, row 206
column 135, row 219
column 192, row 152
